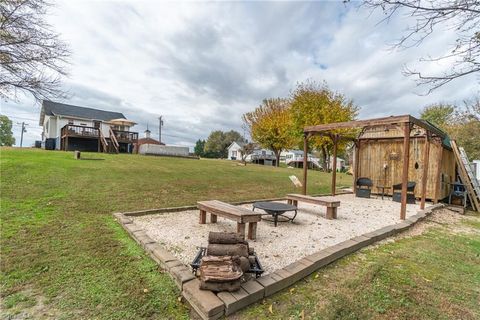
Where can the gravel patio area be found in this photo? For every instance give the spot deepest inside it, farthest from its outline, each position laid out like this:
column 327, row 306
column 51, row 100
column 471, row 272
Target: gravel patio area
column 277, row 247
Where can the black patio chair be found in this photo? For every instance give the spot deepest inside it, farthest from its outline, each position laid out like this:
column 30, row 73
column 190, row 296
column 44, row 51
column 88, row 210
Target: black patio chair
column 397, row 192
column 364, row 187
column 458, row 191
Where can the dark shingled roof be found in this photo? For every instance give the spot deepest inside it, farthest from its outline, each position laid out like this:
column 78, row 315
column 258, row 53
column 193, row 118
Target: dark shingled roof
column 51, row 108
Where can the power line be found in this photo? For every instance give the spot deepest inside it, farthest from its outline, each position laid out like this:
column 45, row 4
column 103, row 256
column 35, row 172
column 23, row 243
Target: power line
column 21, row 118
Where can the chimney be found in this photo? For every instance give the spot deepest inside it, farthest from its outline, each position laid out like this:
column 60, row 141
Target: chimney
column 147, row 134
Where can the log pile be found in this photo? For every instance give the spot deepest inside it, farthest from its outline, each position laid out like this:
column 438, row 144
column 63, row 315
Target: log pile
column 228, row 258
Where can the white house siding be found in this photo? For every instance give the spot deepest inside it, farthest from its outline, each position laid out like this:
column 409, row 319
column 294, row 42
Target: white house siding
column 234, row 152
column 340, row 163
column 50, row 127
column 296, row 155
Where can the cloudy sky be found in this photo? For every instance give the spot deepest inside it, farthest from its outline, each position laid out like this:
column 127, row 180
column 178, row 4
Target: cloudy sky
column 202, row 65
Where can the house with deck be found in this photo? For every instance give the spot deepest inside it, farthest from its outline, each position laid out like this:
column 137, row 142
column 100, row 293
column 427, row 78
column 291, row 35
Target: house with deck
column 68, row 127
column 262, row 156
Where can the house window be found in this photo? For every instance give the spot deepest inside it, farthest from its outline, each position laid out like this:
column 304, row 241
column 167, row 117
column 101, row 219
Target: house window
column 70, row 121
column 48, row 124
column 234, row 153
column 83, row 124
column 96, row 124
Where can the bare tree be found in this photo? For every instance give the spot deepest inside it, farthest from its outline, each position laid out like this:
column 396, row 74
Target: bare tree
column 247, row 149
column 32, row 57
column 462, row 16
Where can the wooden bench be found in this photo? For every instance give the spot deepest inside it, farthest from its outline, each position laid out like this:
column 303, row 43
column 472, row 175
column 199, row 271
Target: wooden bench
column 238, row 214
column 329, row 202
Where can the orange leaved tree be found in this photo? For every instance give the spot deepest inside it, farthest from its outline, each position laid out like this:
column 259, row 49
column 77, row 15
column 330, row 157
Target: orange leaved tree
column 270, row 125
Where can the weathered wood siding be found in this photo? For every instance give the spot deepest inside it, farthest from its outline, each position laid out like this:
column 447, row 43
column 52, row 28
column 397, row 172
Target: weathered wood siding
column 381, row 154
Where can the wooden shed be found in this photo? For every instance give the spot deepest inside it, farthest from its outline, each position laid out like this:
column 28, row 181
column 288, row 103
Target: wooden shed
column 379, row 155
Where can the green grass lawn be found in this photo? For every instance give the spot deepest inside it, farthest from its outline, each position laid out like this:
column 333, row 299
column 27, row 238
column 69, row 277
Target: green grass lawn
column 435, row 275
column 61, row 248
column 63, row 256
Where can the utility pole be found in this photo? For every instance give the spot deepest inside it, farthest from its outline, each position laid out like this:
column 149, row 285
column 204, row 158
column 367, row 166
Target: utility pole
column 23, row 130
column 160, row 124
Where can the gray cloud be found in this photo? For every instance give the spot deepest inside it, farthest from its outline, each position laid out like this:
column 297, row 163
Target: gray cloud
column 202, row 65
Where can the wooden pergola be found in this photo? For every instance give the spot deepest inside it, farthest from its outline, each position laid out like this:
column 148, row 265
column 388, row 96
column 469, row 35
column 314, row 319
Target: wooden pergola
column 404, row 122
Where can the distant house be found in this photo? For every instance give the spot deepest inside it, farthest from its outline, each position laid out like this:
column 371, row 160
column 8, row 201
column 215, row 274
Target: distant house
column 235, row 150
column 341, row 164
column 294, row 158
column 148, row 139
column 68, row 127
column 262, row 156
column 294, row 155
column 259, row 155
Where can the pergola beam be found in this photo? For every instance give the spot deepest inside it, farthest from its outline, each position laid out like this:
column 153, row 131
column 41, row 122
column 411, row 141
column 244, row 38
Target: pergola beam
column 392, row 120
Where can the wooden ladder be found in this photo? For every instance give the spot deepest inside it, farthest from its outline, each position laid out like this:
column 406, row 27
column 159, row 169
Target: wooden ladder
column 466, row 175
column 113, row 138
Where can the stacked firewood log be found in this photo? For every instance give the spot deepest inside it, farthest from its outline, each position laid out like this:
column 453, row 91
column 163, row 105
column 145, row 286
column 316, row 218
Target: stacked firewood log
column 228, row 258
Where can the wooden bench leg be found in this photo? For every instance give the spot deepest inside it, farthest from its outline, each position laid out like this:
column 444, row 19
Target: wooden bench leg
column 331, row 213
column 213, row 218
column 241, row 229
column 252, row 231
column 203, row 217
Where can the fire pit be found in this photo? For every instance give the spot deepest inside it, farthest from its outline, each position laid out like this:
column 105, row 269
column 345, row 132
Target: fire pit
column 255, row 267
column 224, row 263
column 276, row 209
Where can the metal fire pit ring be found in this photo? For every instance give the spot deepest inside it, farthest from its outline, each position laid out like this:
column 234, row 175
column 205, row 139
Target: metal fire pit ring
column 276, row 210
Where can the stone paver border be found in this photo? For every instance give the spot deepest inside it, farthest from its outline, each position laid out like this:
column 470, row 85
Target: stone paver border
column 211, row 306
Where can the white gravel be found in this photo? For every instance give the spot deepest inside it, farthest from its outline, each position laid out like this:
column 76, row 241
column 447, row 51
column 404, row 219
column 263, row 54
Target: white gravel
column 277, row 247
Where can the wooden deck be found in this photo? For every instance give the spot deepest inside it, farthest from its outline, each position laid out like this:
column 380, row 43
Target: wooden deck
column 109, row 143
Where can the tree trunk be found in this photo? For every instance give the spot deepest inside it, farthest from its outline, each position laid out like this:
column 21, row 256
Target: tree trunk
column 244, row 263
column 220, row 274
column 324, row 159
column 219, row 269
column 277, row 157
column 225, row 238
column 239, row 249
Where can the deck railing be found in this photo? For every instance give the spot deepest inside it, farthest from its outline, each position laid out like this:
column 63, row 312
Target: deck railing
column 74, row 130
column 84, row 131
column 125, row 136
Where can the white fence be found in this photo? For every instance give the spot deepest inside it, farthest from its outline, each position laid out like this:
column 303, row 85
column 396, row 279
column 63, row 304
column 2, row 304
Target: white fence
column 160, row 150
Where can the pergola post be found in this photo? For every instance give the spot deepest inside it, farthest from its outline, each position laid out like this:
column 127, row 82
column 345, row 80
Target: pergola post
column 426, row 155
column 334, row 164
column 438, row 176
column 406, row 158
column 356, row 159
column 305, row 163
